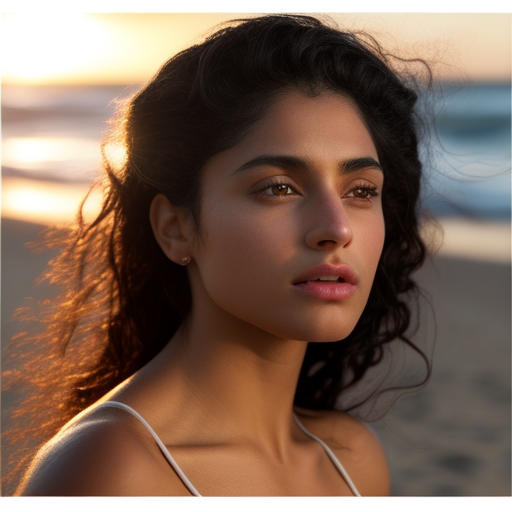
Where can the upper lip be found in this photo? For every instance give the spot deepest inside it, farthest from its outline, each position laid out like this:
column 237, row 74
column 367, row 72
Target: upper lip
column 344, row 272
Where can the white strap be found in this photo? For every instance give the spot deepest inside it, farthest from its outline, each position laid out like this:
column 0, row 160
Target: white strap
column 331, row 455
column 186, row 482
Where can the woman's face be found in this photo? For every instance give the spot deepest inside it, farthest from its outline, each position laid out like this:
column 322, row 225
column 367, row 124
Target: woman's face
column 291, row 223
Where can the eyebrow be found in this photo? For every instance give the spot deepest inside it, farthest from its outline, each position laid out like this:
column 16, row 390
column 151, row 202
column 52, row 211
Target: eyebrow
column 293, row 162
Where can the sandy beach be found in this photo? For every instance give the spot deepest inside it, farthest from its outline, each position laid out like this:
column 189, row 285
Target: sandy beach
column 453, row 437
column 450, row 439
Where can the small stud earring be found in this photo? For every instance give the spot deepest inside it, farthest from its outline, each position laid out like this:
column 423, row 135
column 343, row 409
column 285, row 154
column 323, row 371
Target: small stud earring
column 185, row 260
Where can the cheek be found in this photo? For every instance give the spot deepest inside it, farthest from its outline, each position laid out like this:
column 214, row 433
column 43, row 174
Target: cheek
column 369, row 242
column 239, row 254
column 246, row 264
column 235, row 243
column 370, row 233
column 374, row 240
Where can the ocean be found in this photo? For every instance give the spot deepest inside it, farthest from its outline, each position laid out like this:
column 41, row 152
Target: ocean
column 468, row 167
column 53, row 133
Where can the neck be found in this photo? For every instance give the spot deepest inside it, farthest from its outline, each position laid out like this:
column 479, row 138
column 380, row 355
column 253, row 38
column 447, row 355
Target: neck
column 233, row 378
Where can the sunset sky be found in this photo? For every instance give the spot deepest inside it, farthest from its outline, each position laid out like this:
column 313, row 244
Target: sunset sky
column 119, row 48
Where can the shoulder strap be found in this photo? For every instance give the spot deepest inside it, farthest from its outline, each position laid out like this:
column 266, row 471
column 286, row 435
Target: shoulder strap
column 186, row 482
column 331, row 455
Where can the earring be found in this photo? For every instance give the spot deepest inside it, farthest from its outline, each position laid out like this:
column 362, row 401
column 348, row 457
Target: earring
column 185, row 260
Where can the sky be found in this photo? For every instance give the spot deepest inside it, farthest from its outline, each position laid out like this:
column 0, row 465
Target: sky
column 66, row 47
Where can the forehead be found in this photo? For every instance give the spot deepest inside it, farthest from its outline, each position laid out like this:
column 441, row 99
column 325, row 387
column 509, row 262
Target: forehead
column 322, row 129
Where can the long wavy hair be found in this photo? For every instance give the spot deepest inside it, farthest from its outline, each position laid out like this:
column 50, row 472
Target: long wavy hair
column 122, row 299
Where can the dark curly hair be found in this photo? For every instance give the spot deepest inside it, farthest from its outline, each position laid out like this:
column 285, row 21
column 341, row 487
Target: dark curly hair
column 123, row 299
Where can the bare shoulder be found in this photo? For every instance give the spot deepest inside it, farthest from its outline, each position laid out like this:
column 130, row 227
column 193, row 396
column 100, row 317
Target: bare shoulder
column 105, row 452
column 355, row 445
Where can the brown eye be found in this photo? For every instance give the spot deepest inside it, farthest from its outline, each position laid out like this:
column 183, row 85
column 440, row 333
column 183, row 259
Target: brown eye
column 280, row 189
column 362, row 193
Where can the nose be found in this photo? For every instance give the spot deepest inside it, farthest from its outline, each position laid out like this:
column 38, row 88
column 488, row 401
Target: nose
column 329, row 224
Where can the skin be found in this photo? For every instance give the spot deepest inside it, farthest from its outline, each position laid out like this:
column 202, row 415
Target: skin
column 220, row 396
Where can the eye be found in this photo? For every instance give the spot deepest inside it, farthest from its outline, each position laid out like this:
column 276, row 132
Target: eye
column 363, row 192
column 280, row 189
column 276, row 189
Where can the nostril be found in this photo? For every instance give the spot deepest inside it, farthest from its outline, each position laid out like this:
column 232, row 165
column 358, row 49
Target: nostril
column 323, row 243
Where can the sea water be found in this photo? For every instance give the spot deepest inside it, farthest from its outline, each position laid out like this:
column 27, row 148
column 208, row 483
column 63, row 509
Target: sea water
column 53, row 133
column 467, row 170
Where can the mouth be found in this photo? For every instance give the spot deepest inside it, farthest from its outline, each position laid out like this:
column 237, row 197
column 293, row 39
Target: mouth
column 328, row 282
column 327, row 273
column 327, row 279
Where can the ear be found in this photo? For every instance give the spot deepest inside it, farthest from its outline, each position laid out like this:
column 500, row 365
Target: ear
column 173, row 229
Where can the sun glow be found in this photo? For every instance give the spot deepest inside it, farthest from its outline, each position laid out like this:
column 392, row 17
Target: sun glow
column 42, row 48
column 31, row 150
column 121, row 48
column 46, row 203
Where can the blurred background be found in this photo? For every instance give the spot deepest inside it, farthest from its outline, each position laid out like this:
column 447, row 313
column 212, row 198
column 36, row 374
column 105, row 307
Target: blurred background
column 61, row 74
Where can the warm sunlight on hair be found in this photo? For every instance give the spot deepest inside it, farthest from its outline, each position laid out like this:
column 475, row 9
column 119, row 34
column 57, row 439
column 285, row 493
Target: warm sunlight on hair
column 45, row 47
column 115, row 154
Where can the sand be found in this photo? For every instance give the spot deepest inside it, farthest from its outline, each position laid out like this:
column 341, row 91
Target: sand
column 453, row 437
column 450, row 439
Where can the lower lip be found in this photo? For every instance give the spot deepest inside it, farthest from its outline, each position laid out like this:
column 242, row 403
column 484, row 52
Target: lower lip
column 327, row 290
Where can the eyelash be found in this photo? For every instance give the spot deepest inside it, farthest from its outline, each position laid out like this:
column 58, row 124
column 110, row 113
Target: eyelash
column 370, row 190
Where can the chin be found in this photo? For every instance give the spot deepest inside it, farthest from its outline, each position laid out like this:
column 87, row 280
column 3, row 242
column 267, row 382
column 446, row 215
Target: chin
column 329, row 337
column 317, row 333
column 328, row 329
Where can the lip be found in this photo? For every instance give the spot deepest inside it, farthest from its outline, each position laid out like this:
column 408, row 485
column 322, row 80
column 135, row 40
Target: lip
column 344, row 272
column 328, row 290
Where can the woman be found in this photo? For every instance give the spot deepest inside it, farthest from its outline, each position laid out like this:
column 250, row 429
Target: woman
column 251, row 260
